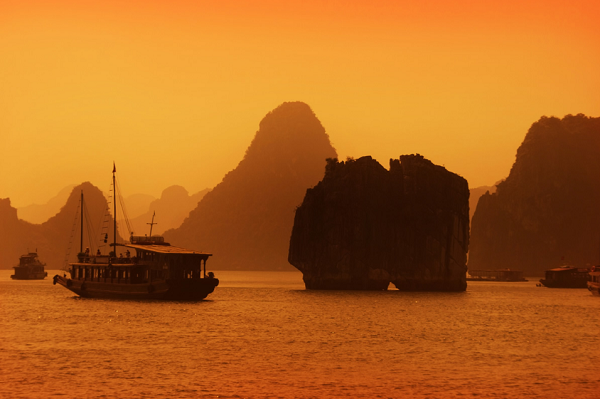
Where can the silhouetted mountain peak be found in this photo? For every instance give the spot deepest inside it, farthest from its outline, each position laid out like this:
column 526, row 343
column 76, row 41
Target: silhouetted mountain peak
column 546, row 211
column 246, row 220
column 93, row 198
column 173, row 206
column 174, row 192
column 60, row 234
column 7, row 209
column 288, row 134
column 39, row 213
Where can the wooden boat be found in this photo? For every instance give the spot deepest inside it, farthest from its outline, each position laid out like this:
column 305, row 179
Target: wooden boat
column 504, row 275
column 157, row 270
column 566, row 277
column 29, row 268
column 593, row 283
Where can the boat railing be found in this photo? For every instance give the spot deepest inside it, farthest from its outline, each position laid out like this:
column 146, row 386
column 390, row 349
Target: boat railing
column 106, row 260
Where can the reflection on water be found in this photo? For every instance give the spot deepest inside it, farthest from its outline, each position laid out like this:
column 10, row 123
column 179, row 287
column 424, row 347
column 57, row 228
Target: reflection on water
column 260, row 334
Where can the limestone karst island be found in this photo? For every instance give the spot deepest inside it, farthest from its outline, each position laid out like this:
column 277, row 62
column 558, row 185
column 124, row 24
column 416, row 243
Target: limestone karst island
column 363, row 227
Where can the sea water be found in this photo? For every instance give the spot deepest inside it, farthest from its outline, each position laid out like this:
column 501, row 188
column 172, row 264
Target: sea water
column 261, row 334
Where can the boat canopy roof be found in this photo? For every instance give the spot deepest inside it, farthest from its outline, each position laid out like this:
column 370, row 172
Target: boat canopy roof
column 30, row 255
column 165, row 249
column 569, row 268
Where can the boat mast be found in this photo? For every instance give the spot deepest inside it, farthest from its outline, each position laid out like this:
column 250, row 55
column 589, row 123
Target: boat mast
column 81, row 241
column 115, row 210
column 152, row 224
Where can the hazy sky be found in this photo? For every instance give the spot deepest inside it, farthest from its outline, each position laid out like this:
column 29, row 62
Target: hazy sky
column 173, row 91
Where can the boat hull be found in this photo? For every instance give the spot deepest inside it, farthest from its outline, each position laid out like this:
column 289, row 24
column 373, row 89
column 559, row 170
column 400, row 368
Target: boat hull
column 594, row 288
column 187, row 290
column 564, row 283
column 494, row 280
column 33, row 276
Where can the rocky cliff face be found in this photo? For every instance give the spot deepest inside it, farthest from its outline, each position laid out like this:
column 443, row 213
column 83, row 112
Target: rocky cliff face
column 475, row 194
column 16, row 236
column 547, row 211
column 246, row 220
column 363, row 227
column 51, row 238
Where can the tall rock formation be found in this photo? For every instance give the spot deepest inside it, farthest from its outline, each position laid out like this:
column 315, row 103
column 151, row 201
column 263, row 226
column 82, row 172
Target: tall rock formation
column 547, row 212
column 17, row 237
column 475, row 194
column 246, row 220
column 363, row 227
column 52, row 238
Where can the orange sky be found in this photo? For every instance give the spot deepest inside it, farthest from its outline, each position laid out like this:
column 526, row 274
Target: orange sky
column 173, row 91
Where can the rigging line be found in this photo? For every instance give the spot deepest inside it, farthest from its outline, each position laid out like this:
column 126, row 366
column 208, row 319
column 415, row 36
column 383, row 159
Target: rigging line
column 100, row 227
column 111, row 201
column 125, row 216
column 123, row 207
column 104, row 228
column 66, row 262
column 89, row 225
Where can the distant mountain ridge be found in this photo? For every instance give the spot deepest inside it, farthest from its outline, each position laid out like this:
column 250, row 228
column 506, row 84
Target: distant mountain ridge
column 547, row 211
column 246, row 220
column 173, row 206
column 39, row 213
column 138, row 204
column 52, row 238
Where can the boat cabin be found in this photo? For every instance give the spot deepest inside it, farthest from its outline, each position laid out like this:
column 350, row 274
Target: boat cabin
column 567, row 273
column 566, row 277
column 152, row 260
column 29, row 268
column 29, row 259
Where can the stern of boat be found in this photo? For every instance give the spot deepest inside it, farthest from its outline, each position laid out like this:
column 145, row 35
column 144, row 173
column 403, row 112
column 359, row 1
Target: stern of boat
column 191, row 289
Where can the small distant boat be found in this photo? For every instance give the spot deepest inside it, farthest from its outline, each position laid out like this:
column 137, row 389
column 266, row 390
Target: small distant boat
column 156, row 270
column 566, row 277
column 594, row 282
column 29, row 268
column 505, row 275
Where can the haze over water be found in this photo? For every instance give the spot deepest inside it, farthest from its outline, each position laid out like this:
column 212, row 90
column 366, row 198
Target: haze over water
column 260, row 334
